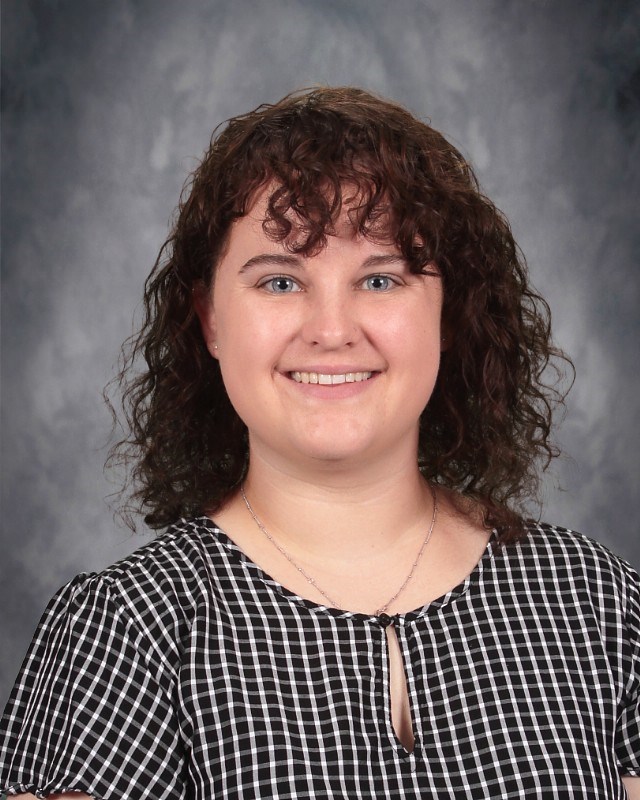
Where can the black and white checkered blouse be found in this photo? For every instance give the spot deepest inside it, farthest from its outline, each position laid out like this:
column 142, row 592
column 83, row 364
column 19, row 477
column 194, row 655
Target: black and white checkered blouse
column 184, row 671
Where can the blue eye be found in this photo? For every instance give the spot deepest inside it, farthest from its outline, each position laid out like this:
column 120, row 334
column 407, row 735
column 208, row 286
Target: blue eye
column 378, row 283
column 280, row 285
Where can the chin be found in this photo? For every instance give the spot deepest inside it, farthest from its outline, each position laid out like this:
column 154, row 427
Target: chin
column 340, row 451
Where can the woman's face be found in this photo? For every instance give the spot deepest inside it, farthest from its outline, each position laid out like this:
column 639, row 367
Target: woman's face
column 325, row 358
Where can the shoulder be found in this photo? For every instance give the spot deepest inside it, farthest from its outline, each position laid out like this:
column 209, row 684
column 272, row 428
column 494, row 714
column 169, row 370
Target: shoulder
column 176, row 572
column 176, row 560
column 570, row 550
column 175, row 563
column 151, row 596
column 574, row 564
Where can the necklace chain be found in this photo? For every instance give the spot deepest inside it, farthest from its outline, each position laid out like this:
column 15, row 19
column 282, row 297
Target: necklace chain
column 312, row 581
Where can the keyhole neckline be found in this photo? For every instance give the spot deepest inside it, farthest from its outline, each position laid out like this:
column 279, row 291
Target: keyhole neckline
column 383, row 620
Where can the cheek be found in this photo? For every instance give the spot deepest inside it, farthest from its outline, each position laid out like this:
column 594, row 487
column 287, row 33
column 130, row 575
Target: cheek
column 414, row 332
column 240, row 388
column 252, row 338
column 247, row 353
column 417, row 347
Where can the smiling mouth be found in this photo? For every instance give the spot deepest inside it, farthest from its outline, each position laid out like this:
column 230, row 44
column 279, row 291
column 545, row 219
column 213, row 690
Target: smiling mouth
column 325, row 379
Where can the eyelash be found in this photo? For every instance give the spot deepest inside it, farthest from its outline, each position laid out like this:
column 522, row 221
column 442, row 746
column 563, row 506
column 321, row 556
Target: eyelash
column 393, row 281
column 268, row 283
column 264, row 284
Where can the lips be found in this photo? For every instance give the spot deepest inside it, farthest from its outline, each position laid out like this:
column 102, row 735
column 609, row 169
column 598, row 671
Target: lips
column 330, row 379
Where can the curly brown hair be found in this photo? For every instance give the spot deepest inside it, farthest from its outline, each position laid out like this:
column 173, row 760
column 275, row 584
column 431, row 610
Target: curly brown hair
column 485, row 431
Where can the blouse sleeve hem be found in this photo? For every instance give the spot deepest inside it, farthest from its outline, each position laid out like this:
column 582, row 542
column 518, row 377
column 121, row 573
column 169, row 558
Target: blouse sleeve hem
column 20, row 788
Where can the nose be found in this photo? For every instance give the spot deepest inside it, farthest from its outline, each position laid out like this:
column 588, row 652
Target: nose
column 331, row 320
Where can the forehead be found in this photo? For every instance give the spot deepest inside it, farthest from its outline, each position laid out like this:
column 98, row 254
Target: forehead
column 300, row 223
column 248, row 240
column 250, row 245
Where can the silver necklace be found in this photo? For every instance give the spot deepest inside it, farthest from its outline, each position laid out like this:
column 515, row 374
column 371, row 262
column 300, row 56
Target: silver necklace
column 312, row 581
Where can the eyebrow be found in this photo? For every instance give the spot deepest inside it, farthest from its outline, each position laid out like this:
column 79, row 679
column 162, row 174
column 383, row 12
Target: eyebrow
column 282, row 260
column 277, row 259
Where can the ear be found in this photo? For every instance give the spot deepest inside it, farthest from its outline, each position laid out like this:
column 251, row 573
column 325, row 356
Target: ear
column 203, row 306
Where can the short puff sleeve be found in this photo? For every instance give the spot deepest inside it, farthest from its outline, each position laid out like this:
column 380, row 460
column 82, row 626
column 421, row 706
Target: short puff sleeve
column 91, row 710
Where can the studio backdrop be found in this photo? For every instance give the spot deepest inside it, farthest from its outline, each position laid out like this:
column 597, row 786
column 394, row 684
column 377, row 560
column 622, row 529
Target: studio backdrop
column 107, row 106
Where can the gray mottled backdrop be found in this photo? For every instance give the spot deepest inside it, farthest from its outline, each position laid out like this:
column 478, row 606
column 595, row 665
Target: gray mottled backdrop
column 107, row 106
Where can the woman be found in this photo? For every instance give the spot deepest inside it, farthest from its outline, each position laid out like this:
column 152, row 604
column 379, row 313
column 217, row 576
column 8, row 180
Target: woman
column 345, row 371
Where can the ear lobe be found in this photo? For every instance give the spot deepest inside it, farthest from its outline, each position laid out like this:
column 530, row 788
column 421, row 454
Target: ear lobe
column 203, row 306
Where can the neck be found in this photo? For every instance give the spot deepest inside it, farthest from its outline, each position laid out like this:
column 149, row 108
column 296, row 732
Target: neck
column 339, row 512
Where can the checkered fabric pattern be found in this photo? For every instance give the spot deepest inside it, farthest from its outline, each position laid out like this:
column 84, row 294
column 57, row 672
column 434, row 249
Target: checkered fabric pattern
column 184, row 671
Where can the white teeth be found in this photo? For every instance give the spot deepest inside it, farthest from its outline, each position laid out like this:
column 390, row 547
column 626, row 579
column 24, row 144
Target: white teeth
column 328, row 380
